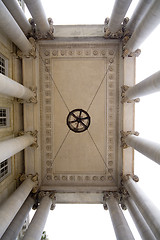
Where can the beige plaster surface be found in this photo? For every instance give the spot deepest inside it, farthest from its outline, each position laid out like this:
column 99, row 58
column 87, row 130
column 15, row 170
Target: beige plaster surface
column 84, row 75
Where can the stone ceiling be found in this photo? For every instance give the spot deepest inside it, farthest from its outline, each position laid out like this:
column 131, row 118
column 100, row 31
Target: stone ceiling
column 80, row 74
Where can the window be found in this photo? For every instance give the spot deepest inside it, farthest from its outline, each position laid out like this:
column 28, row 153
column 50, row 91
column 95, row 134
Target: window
column 4, row 117
column 5, row 169
column 3, row 65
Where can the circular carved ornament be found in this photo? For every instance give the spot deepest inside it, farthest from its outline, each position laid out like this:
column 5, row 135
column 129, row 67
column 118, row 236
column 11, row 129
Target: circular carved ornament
column 78, row 120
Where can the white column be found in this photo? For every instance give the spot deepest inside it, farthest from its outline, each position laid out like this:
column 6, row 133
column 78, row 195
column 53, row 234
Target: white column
column 16, row 225
column 12, row 205
column 18, row 15
column 145, row 87
column 14, row 145
column 148, row 210
column 11, row 88
column 146, row 147
column 142, row 227
column 36, row 9
column 119, row 10
column 35, row 229
column 119, row 222
column 9, row 26
column 144, row 29
column 138, row 14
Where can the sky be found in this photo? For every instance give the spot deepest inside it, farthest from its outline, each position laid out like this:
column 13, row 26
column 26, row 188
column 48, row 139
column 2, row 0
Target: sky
column 92, row 221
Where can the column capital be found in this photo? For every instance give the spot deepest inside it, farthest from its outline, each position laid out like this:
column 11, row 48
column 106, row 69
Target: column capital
column 31, row 53
column 51, row 30
column 37, row 34
column 125, row 99
column 120, row 34
column 51, row 195
column 32, row 99
column 108, row 195
column 123, row 206
column 123, row 191
column 124, row 135
column 32, row 177
column 32, row 133
column 127, row 53
column 128, row 176
column 124, row 196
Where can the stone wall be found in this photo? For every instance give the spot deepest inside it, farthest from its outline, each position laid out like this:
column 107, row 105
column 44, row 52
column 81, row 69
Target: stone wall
column 8, row 51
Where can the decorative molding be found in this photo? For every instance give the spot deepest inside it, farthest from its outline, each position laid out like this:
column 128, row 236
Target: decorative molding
column 124, row 88
column 81, row 179
column 67, row 52
column 124, row 135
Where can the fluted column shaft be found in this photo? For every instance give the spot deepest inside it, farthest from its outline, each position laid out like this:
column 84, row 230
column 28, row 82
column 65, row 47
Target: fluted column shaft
column 145, row 87
column 118, row 13
column 139, row 221
column 138, row 14
column 146, row 147
column 11, row 88
column 35, row 229
column 148, row 210
column 144, row 29
column 12, row 30
column 36, row 9
column 119, row 222
column 18, row 15
column 12, row 205
column 14, row 145
column 14, row 228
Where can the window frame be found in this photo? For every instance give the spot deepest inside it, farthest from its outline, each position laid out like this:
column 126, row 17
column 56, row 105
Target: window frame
column 7, row 117
column 5, row 63
column 8, row 170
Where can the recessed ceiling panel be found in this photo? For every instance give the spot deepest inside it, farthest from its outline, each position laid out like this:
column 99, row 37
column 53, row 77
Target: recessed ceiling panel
column 79, row 76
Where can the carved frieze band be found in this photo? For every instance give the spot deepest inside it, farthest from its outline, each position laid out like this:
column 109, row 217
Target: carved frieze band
column 85, row 52
column 50, row 53
column 63, row 178
column 111, row 109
